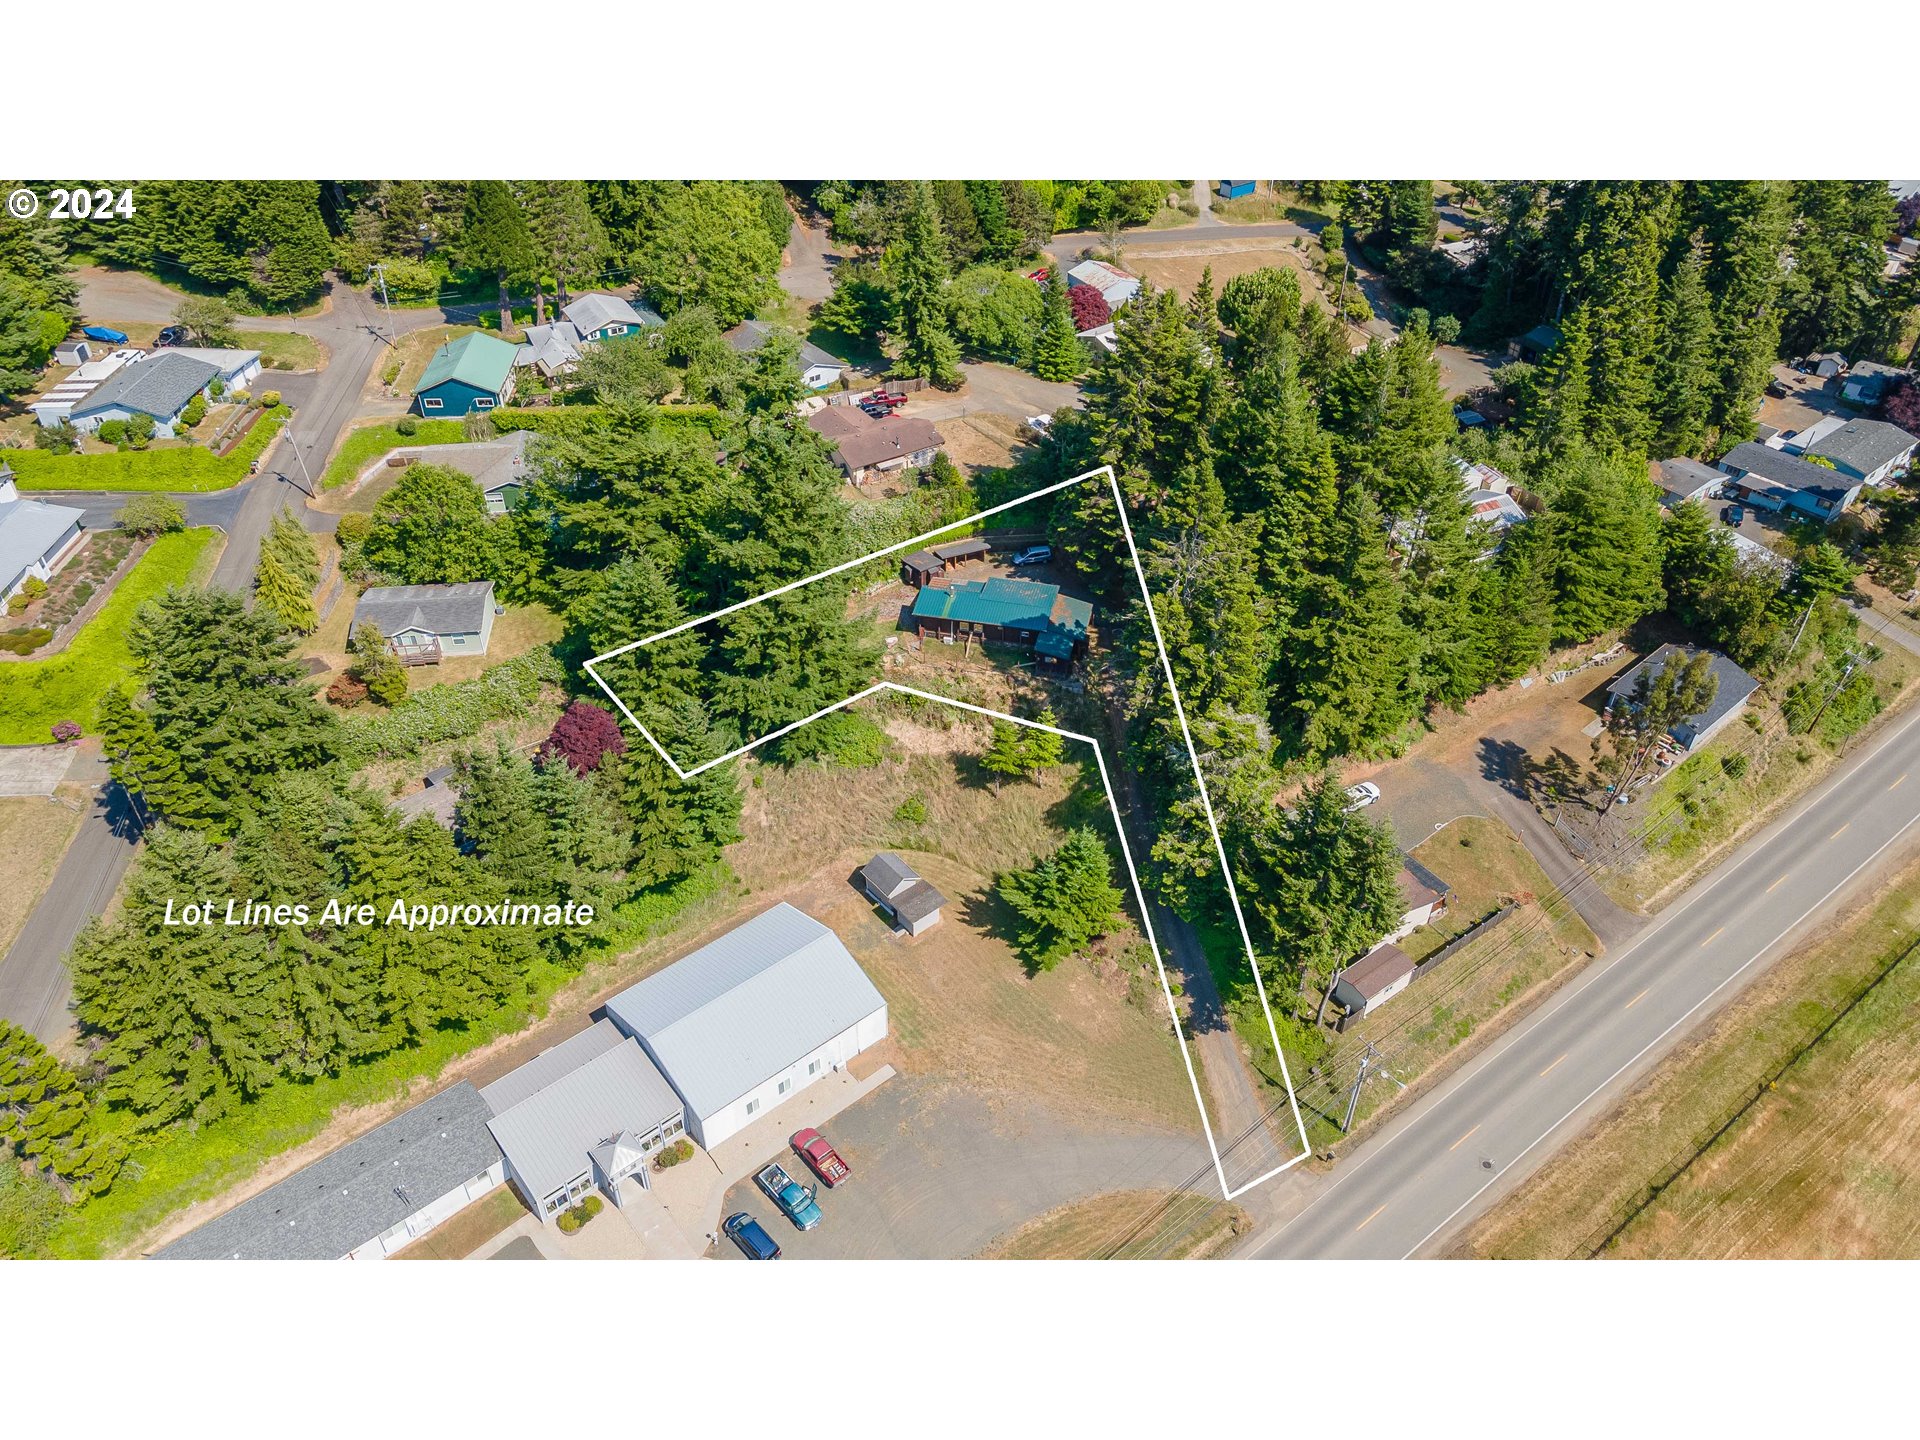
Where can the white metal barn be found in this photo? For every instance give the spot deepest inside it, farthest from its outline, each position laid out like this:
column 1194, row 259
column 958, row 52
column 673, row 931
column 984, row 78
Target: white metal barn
column 753, row 1018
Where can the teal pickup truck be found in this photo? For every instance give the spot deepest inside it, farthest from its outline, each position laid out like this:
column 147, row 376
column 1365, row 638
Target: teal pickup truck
column 794, row 1199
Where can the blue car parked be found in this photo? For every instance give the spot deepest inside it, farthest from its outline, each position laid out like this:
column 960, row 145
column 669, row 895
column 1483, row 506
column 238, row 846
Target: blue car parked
column 751, row 1237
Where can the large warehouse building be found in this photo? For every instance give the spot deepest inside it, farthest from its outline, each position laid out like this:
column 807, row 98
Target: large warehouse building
column 761, row 1013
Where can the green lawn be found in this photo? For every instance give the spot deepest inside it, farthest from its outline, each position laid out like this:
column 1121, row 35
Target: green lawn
column 367, row 444
column 36, row 694
column 192, row 469
column 281, row 350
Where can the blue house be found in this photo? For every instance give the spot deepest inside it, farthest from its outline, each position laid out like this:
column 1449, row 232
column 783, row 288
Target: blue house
column 1235, row 189
column 472, row 373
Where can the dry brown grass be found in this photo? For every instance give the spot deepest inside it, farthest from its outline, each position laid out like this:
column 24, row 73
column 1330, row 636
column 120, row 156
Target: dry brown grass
column 468, row 1230
column 1180, row 269
column 34, row 834
column 1091, row 1036
column 1128, row 1224
column 1825, row 1165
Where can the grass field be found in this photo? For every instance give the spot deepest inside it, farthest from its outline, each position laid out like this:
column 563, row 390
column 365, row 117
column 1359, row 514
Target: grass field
column 282, row 350
column 1826, row 1163
column 37, row 694
column 1126, row 1225
column 34, row 834
column 1090, row 1036
column 362, row 446
column 467, row 1231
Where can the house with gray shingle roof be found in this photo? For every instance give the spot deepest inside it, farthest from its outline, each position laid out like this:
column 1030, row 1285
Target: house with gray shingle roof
column 1871, row 451
column 35, row 537
column 425, row 623
column 1732, row 689
column 588, row 320
column 818, row 368
column 369, row 1198
column 161, row 385
column 1775, row 480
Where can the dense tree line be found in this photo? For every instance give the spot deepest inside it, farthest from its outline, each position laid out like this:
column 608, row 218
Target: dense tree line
column 36, row 298
column 264, row 240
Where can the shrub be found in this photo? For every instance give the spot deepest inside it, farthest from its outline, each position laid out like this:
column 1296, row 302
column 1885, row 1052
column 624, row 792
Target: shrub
column 406, row 425
column 269, row 399
column 354, row 527
column 912, row 811
column 17, row 603
column 1089, row 307
column 584, row 736
column 34, row 588
column 479, row 426
column 66, row 732
column 841, row 738
column 593, row 1205
column 113, row 432
column 148, row 515
column 1446, row 329
column 240, row 397
column 59, row 439
column 388, row 684
column 568, row 1222
column 452, row 712
column 346, row 692
column 24, row 642
column 679, row 1151
column 1736, row 765
column 195, row 412
column 140, row 430
column 217, row 387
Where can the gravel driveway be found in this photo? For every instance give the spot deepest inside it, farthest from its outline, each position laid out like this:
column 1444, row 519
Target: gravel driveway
column 939, row 1172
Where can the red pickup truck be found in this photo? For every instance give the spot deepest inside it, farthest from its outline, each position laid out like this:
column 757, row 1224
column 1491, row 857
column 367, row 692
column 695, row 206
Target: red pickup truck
column 811, row 1146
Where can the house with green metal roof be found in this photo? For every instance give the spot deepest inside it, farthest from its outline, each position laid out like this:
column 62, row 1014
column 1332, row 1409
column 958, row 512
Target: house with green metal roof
column 472, row 373
column 1007, row 612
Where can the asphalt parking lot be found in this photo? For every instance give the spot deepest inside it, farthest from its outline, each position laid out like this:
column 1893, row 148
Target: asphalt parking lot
column 939, row 1172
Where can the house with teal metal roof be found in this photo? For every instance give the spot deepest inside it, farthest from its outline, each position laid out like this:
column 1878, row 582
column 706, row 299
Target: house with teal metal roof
column 472, row 373
column 1006, row 612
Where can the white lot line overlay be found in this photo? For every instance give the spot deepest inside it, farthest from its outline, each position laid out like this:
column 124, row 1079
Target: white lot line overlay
column 1227, row 1189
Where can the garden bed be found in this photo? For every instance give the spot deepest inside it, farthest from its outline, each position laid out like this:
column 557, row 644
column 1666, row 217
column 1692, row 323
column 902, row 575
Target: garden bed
column 75, row 594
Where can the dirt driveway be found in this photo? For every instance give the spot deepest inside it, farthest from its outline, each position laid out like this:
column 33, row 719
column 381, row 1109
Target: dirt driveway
column 994, row 389
column 939, row 1172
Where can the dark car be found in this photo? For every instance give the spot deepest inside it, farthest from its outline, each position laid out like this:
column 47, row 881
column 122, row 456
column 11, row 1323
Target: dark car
column 878, row 412
column 1733, row 515
column 1034, row 555
column 1779, row 389
column 751, row 1237
column 172, row 335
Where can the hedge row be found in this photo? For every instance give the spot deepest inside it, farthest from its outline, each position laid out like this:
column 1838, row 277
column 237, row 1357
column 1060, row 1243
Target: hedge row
column 192, row 468
column 450, row 712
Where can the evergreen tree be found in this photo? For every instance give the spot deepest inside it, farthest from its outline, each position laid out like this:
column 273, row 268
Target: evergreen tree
column 1745, row 224
column 1057, row 354
column 1044, row 750
column 279, row 593
column 1006, row 754
column 1607, row 529
column 1344, row 684
column 147, row 769
column 1391, row 421
column 432, row 528
column 919, row 269
column 1683, row 374
column 494, row 237
column 1064, row 902
column 46, row 1118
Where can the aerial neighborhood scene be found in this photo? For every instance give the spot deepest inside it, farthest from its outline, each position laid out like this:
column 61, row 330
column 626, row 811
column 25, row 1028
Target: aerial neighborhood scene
column 943, row 719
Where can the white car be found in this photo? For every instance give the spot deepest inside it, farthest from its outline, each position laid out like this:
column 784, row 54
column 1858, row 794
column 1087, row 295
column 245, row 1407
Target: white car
column 1362, row 795
column 1042, row 423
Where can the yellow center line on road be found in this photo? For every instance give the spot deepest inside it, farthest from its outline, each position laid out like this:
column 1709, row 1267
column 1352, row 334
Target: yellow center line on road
column 1461, row 1141
column 1636, row 999
column 1549, row 1070
column 1366, row 1222
column 1841, row 831
column 1896, row 784
column 1776, row 884
column 1713, row 937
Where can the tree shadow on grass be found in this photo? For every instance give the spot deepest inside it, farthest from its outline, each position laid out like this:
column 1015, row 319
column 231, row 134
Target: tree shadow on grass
column 984, row 910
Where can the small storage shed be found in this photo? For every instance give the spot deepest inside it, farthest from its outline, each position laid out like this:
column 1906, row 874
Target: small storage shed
column 1372, row 980
column 72, row 352
column 1234, row 189
column 923, row 567
column 913, row 905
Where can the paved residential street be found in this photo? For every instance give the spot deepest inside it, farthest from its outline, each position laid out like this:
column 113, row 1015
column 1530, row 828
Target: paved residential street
column 1405, row 1191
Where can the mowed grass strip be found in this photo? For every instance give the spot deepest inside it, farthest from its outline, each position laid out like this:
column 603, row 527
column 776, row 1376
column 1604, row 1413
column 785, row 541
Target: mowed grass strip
column 368, row 443
column 281, row 350
column 182, row 469
column 34, row 834
column 1125, row 1225
column 37, row 694
column 1827, row 1164
column 468, row 1230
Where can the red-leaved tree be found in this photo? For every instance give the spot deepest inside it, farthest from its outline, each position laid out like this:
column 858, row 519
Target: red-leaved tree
column 1090, row 308
column 584, row 736
column 1902, row 407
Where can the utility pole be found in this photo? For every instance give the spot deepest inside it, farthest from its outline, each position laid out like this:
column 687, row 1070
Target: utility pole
column 378, row 271
column 294, row 442
column 1359, row 1079
column 1846, row 673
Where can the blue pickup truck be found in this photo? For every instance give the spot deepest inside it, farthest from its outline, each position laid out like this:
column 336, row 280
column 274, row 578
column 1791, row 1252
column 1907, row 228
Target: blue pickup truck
column 794, row 1199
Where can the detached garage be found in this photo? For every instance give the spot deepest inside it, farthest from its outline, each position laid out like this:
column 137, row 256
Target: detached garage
column 753, row 1018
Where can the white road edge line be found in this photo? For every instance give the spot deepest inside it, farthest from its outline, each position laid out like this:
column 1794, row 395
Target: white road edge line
column 1596, row 973
column 1704, row 999
column 1228, row 1191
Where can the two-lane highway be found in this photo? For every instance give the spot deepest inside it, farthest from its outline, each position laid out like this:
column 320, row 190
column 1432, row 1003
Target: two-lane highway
column 1404, row 1192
